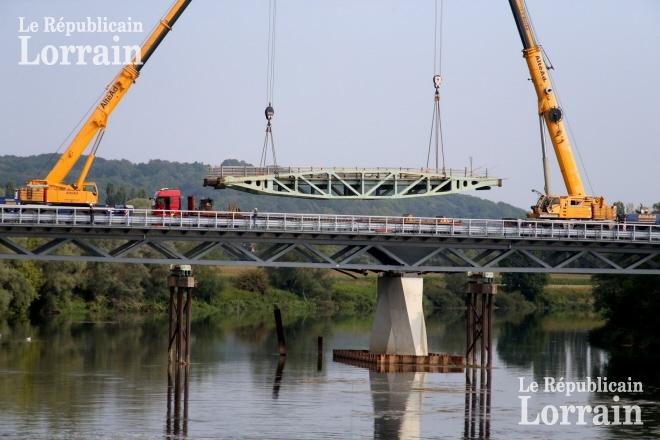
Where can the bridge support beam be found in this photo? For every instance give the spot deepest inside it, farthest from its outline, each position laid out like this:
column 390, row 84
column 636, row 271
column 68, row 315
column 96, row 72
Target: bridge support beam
column 480, row 291
column 399, row 326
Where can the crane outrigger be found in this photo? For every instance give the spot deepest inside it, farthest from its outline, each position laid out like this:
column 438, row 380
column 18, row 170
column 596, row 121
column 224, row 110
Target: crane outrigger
column 53, row 189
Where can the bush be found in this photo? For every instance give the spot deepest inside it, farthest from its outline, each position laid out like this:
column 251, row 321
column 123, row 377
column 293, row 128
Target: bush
column 631, row 306
column 513, row 301
column 529, row 284
column 455, row 283
column 253, row 280
column 443, row 298
column 567, row 298
column 355, row 296
column 5, row 300
column 209, row 283
column 119, row 285
column 16, row 292
column 307, row 283
column 58, row 282
column 155, row 284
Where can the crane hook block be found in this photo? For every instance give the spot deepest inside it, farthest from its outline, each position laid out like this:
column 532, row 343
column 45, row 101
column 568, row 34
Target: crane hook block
column 270, row 112
column 555, row 114
column 437, row 80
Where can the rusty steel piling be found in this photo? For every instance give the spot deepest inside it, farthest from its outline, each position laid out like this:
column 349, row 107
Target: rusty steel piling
column 181, row 283
column 176, row 422
column 480, row 290
column 281, row 344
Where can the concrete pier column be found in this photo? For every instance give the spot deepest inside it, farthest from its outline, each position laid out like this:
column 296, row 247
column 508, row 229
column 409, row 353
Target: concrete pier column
column 399, row 326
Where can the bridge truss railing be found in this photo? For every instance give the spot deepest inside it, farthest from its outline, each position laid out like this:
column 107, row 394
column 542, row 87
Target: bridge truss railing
column 245, row 171
column 322, row 223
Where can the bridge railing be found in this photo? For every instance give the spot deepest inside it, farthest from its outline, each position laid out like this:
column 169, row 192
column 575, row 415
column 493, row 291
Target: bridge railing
column 323, row 223
column 250, row 171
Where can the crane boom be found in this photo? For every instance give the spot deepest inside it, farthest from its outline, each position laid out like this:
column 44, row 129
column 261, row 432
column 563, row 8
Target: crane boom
column 52, row 189
column 577, row 204
column 548, row 104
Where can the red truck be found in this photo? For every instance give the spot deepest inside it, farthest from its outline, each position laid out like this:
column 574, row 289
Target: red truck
column 167, row 199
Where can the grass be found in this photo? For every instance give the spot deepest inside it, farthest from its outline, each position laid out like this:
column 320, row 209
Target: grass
column 237, row 301
column 570, row 280
column 568, row 298
column 355, row 296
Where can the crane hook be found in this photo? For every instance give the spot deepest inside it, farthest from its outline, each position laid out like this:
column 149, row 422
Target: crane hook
column 437, row 80
column 269, row 112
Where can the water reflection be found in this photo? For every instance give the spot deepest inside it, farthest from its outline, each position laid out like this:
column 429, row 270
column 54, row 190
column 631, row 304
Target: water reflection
column 397, row 400
column 551, row 346
column 279, row 372
column 105, row 380
column 619, row 368
column 176, row 423
column 477, row 406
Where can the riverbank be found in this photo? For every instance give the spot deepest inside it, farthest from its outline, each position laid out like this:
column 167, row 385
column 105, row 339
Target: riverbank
column 41, row 289
column 241, row 292
column 249, row 292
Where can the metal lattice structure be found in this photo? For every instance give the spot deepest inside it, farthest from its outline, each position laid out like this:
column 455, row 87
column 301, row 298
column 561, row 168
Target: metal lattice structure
column 346, row 243
column 348, row 183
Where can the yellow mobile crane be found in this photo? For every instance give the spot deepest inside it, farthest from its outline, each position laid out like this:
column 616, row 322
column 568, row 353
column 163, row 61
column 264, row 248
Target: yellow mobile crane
column 53, row 189
column 577, row 204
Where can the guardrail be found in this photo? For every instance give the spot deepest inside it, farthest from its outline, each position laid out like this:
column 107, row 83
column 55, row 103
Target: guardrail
column 322, row 223
column 247, row 171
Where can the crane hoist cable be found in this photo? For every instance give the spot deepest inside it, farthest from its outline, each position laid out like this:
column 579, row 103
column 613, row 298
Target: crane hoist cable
column 270, row 85
column 571, row 135
column 436, row 138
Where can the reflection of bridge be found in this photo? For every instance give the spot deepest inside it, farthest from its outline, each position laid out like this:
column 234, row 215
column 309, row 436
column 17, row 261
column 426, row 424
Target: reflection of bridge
column 351, row 243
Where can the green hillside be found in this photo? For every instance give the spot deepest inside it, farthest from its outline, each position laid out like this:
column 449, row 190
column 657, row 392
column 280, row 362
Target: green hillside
column 132, row 180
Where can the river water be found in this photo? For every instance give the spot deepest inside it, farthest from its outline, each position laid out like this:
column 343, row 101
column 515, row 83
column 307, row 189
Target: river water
column 108, row 380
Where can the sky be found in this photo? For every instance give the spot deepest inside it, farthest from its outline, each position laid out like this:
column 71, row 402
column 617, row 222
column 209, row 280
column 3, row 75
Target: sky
column 353, row 86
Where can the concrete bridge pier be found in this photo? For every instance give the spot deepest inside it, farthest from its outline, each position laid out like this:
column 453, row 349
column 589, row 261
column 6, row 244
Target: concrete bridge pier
column 399, row 326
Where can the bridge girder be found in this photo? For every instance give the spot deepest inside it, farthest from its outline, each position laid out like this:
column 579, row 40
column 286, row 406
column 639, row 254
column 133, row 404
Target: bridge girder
column 348, row 183
column 329, row 251
column 354, row 244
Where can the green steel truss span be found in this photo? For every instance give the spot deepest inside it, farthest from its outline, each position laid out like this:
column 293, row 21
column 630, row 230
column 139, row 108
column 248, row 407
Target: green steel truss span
column 348, row 183
column 341, row 242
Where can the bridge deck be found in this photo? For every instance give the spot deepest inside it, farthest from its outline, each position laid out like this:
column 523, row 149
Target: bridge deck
column 357, row 243
column 348, row 183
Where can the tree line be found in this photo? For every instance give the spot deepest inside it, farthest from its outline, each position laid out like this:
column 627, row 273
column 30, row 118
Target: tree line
column 140, row 180
column 30, row 289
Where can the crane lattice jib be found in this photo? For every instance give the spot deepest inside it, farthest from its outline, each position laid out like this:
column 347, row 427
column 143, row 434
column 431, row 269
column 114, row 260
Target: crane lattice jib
column 113, row 95
column 548, row 104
